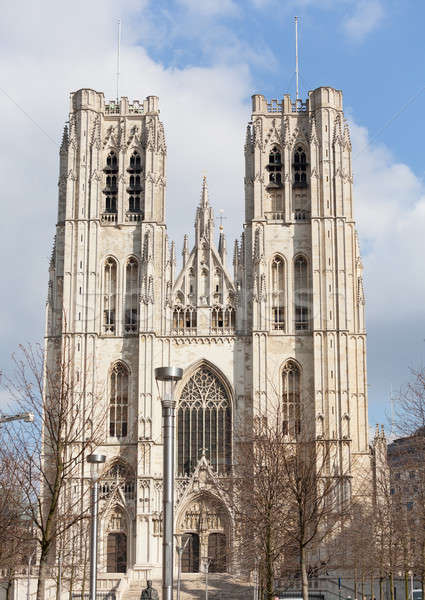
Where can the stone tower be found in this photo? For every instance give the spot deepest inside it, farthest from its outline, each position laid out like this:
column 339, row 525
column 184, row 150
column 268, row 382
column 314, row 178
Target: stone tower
column 300, row 268
column 287, row 325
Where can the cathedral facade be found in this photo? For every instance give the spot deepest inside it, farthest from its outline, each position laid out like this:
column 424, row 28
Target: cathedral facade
column 281, row 319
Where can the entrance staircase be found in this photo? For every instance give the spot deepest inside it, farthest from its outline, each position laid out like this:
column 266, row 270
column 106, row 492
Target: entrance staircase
column 221, row 586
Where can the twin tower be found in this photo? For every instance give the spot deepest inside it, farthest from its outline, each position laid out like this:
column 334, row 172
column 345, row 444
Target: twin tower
column 281, row 322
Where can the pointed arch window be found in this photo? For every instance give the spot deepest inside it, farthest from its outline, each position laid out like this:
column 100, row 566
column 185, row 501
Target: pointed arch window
column 110, row 296
column 301, row 294
column 278, row 293
column 275, row 168
column 111, row 183
column 118, row 401
column 184, row 319
column 204, row 423
column 291, row 407
column 135, row 165
column 300, row 167
column 131, row 296
column 118, row 476
column 134, row 189
column 222, row 319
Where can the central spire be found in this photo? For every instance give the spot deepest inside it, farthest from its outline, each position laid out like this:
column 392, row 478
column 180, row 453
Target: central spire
column 204, row 224
column 204, row 193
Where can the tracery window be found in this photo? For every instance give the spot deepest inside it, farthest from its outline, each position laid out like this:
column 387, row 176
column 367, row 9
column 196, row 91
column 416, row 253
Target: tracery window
column 301, row 294
column 222, row 319
column 134, row 189
column 110, row 296
column 300, row 167
column 204, row 423
column 278, row 293
column 131, row 296
column 118, row 401
column 118, row 476
column 291, row 409
column 275, row 168
column 184, row 319
column 111, row 188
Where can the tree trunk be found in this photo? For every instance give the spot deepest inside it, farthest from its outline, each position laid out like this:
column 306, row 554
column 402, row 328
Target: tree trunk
column 268, row 567
column 304, row 577
column 42, row 573
column 406, row 585
column 355, row 584
column 381, row 588
column 391, row 586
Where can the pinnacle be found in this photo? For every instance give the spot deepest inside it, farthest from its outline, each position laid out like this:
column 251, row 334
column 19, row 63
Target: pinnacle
column 204, row 193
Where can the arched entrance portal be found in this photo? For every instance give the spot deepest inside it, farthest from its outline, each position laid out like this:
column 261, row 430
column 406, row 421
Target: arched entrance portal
column 116, row 553
column 217, row 552
column 190, row 556
column 205, row 521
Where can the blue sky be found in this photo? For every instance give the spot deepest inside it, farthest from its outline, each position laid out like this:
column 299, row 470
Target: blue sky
column 204, row 59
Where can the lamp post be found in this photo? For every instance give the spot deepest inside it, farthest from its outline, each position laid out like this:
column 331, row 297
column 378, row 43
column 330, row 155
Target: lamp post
column 180, row 549
column 95, row 460
column 169, row 376
column 207, row 561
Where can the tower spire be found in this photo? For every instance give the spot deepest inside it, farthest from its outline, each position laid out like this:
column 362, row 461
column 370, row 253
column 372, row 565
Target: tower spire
column 204, row 225
column 296, row 59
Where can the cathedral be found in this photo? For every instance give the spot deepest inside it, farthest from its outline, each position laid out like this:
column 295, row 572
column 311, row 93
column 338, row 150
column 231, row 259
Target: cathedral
column 278, row 313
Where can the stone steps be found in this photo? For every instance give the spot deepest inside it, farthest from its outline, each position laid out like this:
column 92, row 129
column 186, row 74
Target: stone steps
column 192, row 587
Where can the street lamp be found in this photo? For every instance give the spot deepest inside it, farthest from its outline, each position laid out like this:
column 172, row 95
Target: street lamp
column 207, row 561
column 95, row 460
column 180, row 549
column 26, row 416
column 169, row 376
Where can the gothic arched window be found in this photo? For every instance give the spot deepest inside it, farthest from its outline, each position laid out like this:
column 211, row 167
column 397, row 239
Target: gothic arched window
column 184, row 319
column 131, row 295
column 301, row 294
column 118, row 401
column 110, row 296
column 300, row 167
column 204, row 423
column 275, row 168
column 291, row 404
column 278, row 293
column 121, row 476
column 135, row 163
column 134, row 189
column 222, row 319
column 111, row 188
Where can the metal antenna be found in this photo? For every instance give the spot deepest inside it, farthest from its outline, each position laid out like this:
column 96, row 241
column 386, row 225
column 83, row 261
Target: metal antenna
column 296, row 58
column 118, row 60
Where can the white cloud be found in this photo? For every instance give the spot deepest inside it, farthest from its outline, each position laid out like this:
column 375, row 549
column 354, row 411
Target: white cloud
column 390, row 206
column 210, row 8
column 368, row 14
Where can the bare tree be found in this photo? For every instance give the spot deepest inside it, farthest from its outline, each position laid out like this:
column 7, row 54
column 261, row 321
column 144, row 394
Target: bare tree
column 290, row 494
column 49, row 455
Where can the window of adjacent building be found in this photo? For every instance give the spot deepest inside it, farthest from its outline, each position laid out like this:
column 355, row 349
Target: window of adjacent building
column 110, row 296
column 291, row 408
column 300, row 167
column 131, row 296
column 204, row 423
column 278, row 293
column 111, row 183
column 301, row 294
column 118, row 402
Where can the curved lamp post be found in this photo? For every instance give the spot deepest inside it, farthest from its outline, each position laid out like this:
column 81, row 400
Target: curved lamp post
column 95, row 460
column 169, row 376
